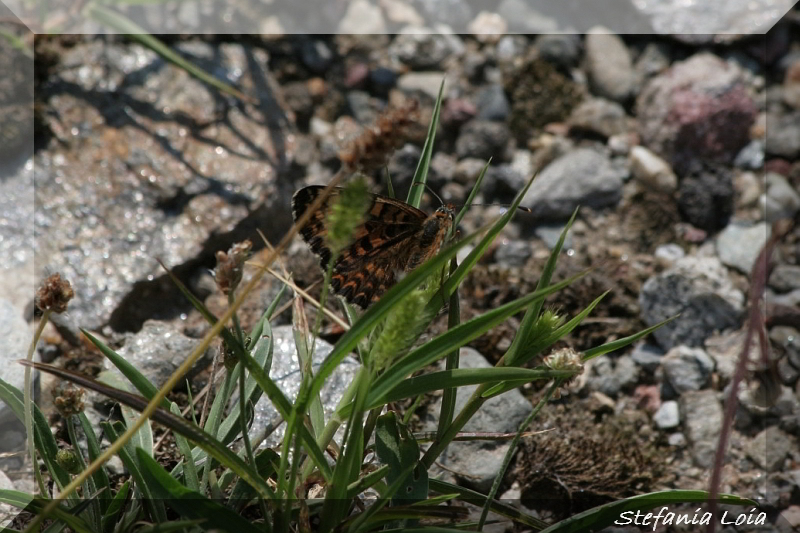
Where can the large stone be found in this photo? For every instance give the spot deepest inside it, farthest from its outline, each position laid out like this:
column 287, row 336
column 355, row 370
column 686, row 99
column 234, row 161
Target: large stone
column 739, row 245
column 285, row 372
column 697, row 288
column 702, row 415
column 478, row 462
column 17, row 336
column 687, row 368
column 770, row 448
column 699, row 108
column 582, row 177
column 609, row 63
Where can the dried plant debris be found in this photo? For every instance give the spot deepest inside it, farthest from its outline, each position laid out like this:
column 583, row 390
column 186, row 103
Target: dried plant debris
column 580, row 463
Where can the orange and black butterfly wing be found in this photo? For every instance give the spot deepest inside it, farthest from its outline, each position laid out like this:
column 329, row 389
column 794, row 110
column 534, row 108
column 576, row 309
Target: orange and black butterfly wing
column 365, row 269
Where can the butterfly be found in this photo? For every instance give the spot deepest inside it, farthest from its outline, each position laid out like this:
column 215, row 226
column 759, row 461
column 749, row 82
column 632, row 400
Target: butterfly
column 394, row 239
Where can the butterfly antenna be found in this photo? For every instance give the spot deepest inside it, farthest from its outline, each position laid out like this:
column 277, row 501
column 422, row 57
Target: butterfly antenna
column 519, row 207
column 441, row 202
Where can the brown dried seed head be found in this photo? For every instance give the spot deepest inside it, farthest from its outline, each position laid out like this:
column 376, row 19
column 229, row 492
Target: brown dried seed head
column 68, row 399
column 228, row 272
column 54, row 294
column 371, row 150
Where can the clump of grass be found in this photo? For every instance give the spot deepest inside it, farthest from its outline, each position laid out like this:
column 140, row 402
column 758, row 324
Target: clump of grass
column 313, row 481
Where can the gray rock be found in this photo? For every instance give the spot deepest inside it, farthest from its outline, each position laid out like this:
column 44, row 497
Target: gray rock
column 426, row 82
column 726, row 348
column 455, row 13
column 422, row 49
column 502, row 183
column 651, row 170
column 647, row 356
column 701, row 23
column 609, row 64
column 702, row 415
column 782, row 200
column 285, row 371
column 785, row 278
column 492, row 103
column 158, row 349
column 513, row 253
column 784, row 135
column 667, row 416
column 687, row 369
column 362, row 17
column 698, row 108
column 751, row 157
column 787, row 338
column 16, row 335
column 770, row 448
column 706, row 196
column 599, row 116
column 738, row 245
column 611, row 376
column 402, row 166
column 677, row 440
column 787, row 373
column 582, row 177
column 483, row 139
column 654, row 59
column 561, row 49
column 478, row 462
column 522, row 18
column 669, row 253
column 146, row 199
column 697, row 288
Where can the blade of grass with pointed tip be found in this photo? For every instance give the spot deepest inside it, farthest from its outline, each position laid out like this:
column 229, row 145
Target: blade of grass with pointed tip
column 599, row 517
column 112, row 514
column 521, row 338
column 421, row 173
column 124, row 25
column 541, row 344
column 625, row 341
column 189, row 503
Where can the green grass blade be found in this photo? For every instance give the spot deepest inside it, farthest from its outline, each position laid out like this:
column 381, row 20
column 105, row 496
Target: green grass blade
column 122, row 24
column 100, row 477
column 112, row 514
column 599, row 517
column 421, row 173
column 191, row 504
column 461, row 377
column 452, row 359
column 625, row 341
column 525, row 326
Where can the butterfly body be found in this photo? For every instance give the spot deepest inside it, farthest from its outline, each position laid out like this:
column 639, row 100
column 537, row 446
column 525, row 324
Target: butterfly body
column 395, row 238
